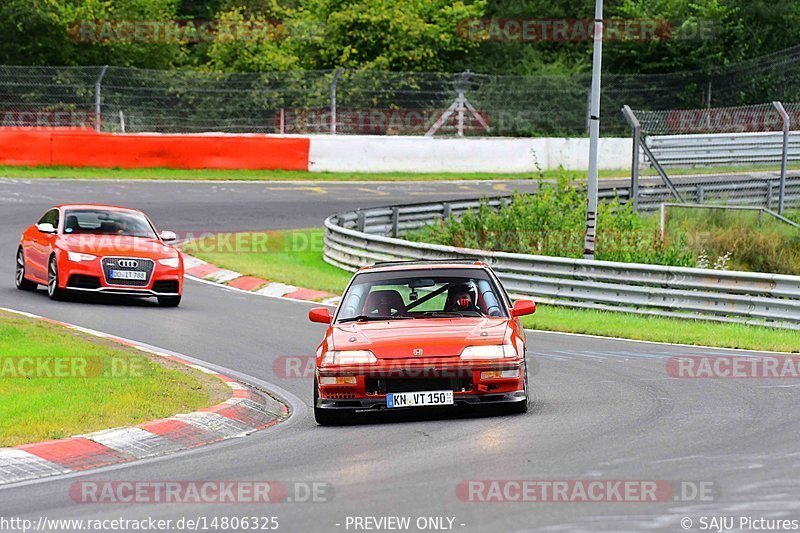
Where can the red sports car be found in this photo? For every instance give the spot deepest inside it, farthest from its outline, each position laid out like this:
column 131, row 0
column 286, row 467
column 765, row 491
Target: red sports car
column 414, row 335
column 99, row 249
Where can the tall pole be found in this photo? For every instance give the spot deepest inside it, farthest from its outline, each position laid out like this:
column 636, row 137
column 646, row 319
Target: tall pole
column 594, row 134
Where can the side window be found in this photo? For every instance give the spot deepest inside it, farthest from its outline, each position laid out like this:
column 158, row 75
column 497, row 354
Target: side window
column 51, row 217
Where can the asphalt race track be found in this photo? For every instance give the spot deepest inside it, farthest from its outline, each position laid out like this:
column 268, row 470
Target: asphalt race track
column 604, row 409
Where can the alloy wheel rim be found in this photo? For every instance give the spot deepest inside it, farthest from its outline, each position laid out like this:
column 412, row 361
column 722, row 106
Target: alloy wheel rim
column 20, row 272
column 52, row 280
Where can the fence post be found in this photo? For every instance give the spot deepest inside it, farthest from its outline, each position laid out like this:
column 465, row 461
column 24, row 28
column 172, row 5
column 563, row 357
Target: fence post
column 333, row 99
column 97, row 103
column 636, row 127
column 395, row 221
column 785, row 156
column 362, row 220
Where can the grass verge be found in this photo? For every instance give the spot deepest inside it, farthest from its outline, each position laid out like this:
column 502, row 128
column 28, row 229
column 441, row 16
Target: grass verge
column 56, row 382
column 28, row 172
column 295, row 257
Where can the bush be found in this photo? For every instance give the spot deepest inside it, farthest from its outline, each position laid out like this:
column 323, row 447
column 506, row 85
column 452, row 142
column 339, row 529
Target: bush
column 551, row 222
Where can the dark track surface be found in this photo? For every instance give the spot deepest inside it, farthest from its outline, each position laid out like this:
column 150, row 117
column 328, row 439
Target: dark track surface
column 604, row 409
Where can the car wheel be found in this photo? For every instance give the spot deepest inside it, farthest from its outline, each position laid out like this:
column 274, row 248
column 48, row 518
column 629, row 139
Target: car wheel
column 20, row 281
column 518, row 408
column 169, row 301
column 325, row 417
column 53, row 291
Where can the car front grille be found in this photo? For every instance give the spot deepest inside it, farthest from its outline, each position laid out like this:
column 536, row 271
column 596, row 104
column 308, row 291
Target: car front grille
column 386, row 385
column 134, row 264
column 166, row 287
column 80, row 281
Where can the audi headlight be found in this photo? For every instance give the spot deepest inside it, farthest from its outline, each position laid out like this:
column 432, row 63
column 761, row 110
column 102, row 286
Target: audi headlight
column 349, row 357
column 488, row 351
column 77, row 257
column 172, row 262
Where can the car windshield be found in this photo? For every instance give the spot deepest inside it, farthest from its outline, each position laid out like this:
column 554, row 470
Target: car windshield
column 107, row 222
column 429, row 293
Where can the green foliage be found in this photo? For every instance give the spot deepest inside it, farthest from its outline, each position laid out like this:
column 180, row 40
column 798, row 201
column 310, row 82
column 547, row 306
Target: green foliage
column 753, row 243
column 551, row 222
column 398, row 35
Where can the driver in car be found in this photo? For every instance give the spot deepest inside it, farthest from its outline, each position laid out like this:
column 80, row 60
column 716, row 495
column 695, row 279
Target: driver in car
column 461, row 298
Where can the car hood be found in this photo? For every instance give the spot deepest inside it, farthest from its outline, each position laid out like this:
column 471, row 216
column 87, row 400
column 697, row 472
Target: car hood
column 436, row 337
column 116, row 245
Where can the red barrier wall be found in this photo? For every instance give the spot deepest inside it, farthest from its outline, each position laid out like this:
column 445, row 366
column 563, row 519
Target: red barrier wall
column 106, row 150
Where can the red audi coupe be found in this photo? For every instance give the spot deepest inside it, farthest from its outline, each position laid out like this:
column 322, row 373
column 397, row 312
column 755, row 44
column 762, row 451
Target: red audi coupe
column 99, row 249
column 415, row 335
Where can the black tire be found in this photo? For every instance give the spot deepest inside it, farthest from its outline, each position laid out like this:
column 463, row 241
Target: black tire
column 326, row 417
column 20, row 281
column 53, row 291
column 519, row 408
column 169, row 301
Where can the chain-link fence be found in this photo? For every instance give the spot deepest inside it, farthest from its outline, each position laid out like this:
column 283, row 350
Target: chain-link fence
column 369, row 102
column 755, row 149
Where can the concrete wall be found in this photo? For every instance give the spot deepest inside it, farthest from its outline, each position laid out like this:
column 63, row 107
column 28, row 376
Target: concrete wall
column 349, row 153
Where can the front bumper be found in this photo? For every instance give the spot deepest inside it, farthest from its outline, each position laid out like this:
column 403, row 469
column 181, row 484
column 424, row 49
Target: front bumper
column 379, row 404
column 88, row 277
column 463, row 378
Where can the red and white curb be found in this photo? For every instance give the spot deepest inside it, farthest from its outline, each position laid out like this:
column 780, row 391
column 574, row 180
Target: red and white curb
column 247, row 410
column 197, row 268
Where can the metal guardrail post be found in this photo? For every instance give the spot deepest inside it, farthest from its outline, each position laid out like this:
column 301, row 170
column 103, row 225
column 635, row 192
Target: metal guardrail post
column 97, row 99
column 336, row 76
column 395, row 221
column 362, row 220
column 636, row 126
column 447, row 211
column 785, row 156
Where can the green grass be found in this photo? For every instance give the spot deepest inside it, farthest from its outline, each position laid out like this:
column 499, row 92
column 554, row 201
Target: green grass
column 673, row 330
column 295, row 257
column 110, row 385
column 41, row 172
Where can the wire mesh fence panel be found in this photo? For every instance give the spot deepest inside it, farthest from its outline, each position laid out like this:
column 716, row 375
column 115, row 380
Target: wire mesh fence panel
column 39, row 97
column 393, row 103
column 748, row 141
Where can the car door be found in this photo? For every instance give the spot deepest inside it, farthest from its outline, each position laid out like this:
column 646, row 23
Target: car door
column 42, row 244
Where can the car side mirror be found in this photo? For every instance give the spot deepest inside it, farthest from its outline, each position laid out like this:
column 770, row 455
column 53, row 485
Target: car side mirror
column 46, row 227
column 320, row 315
column 523, row 307
column 168, row 236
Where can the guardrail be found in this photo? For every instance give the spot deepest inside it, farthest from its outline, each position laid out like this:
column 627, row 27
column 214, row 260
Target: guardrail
column 359, row 238
column 722, row 148
column 752, row 192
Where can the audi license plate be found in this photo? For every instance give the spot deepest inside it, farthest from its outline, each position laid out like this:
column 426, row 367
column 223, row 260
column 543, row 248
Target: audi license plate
column 419, row 399
column 128, row 274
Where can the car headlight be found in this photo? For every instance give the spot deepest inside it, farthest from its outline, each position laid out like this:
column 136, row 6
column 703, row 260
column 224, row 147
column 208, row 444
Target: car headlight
column 77, row 257
column 349, row 357
column 172, row 262
column 488, row 351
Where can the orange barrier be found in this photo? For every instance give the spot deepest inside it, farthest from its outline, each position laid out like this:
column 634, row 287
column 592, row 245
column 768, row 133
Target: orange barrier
column 106, row 150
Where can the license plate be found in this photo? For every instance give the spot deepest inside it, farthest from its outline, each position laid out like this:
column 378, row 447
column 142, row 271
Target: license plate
column 419, row 399
column 128, row 274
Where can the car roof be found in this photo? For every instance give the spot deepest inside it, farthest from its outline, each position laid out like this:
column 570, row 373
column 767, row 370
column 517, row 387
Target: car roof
column 96, row 206
column 425, row 265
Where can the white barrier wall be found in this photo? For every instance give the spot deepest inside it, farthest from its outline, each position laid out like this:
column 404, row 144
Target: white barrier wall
column 351, row 153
